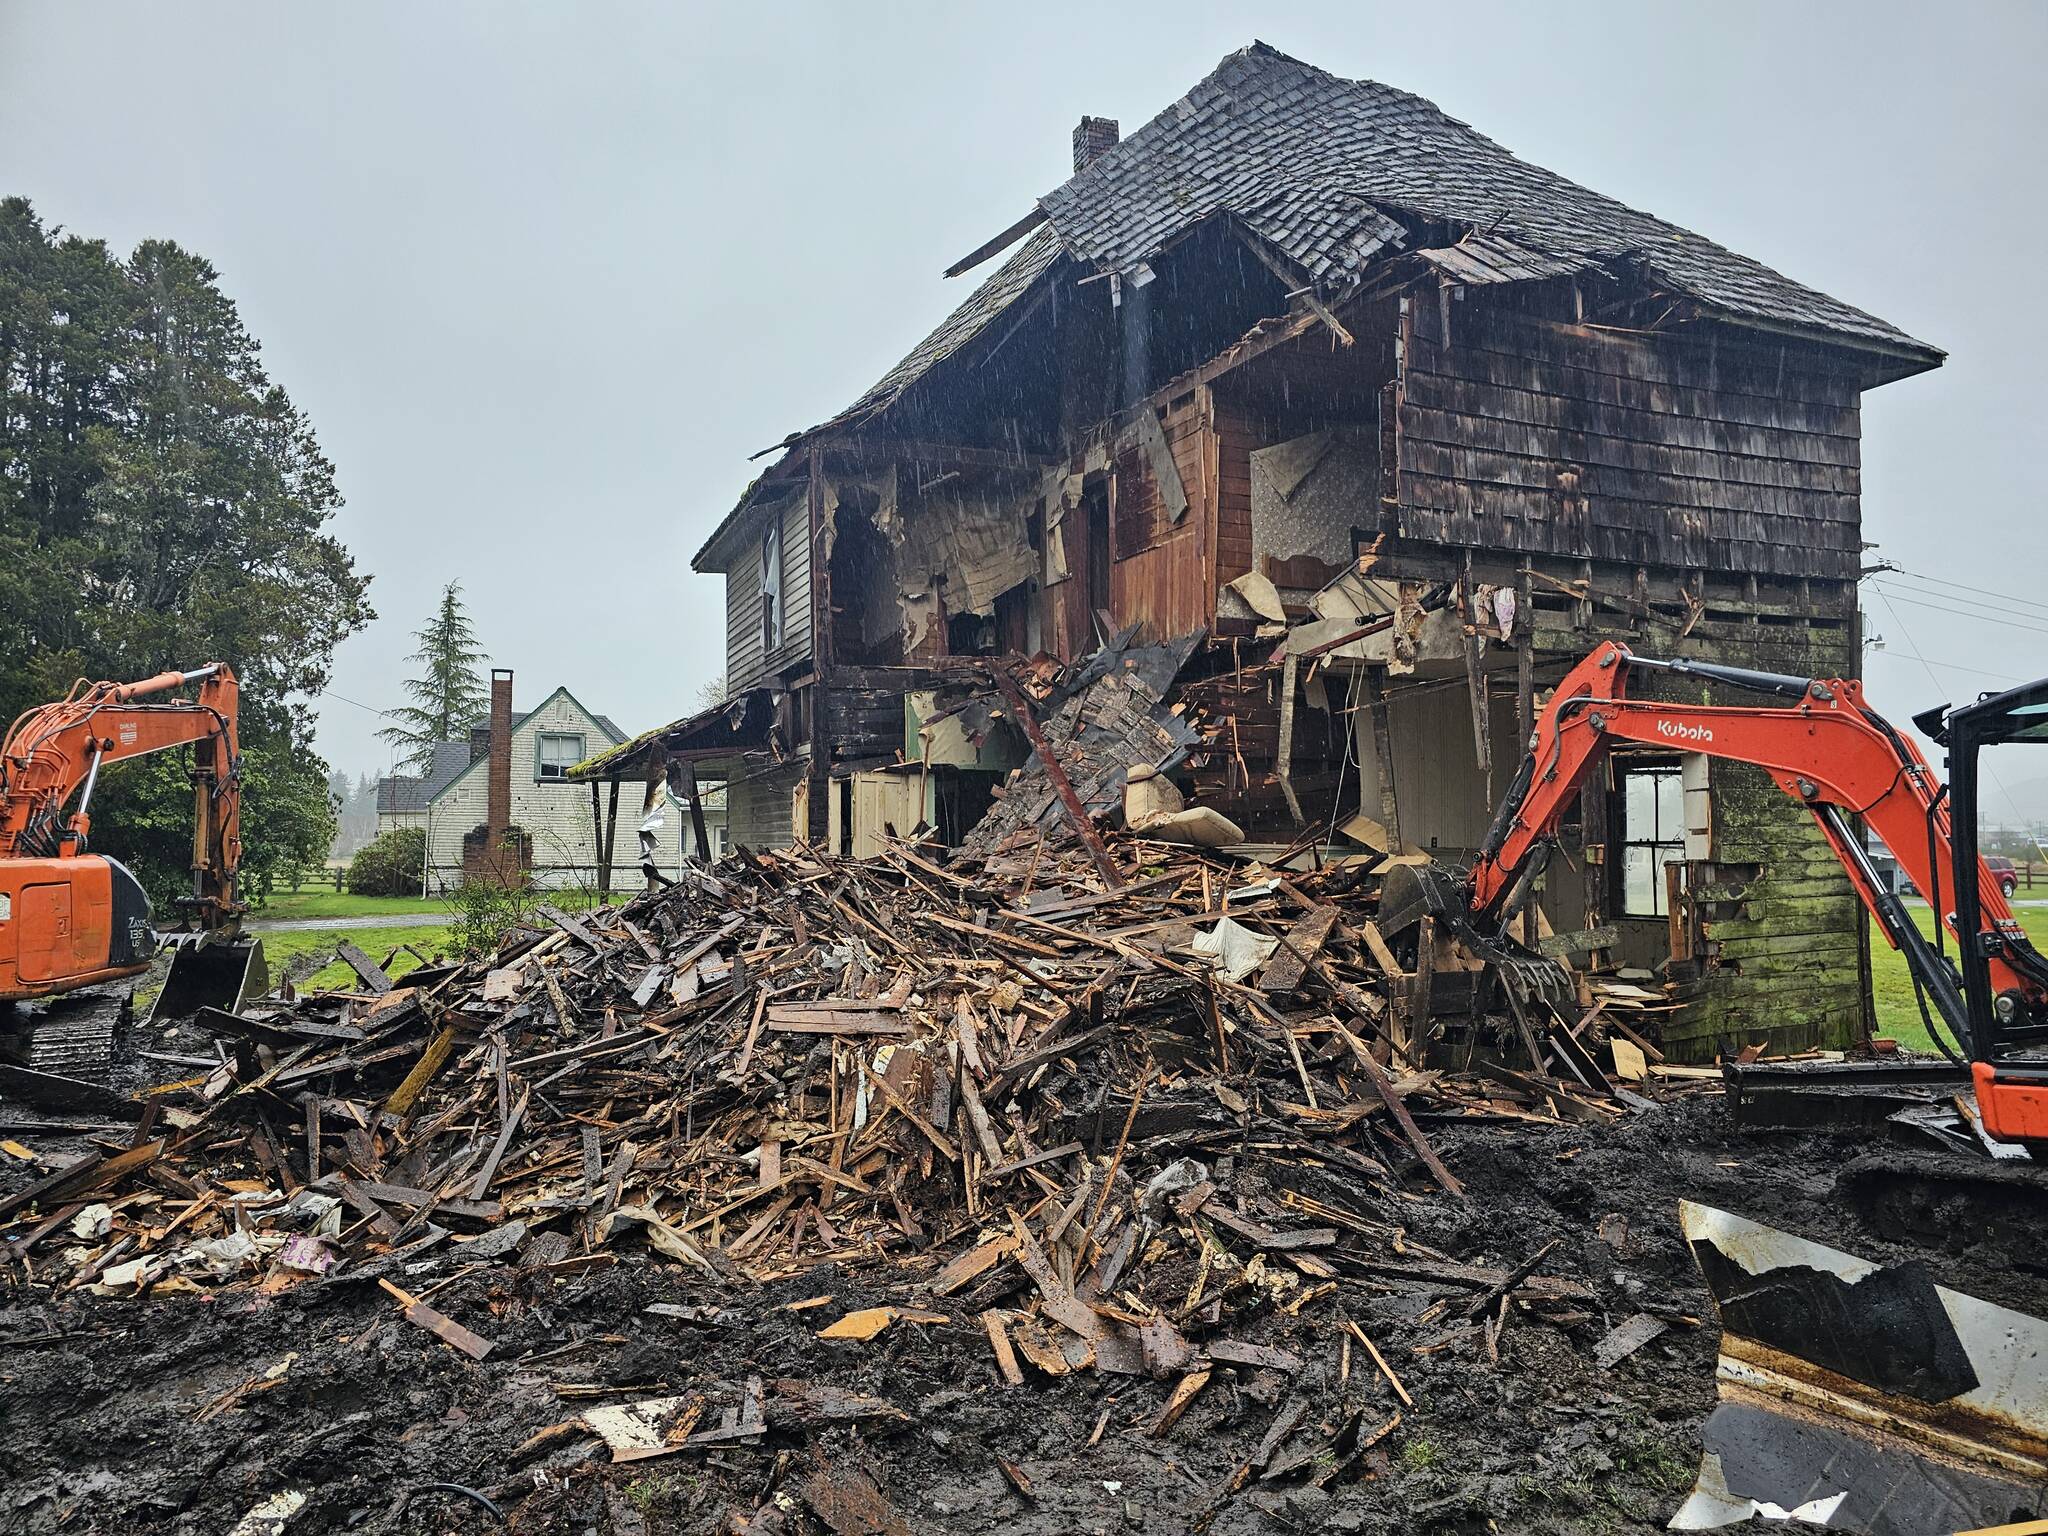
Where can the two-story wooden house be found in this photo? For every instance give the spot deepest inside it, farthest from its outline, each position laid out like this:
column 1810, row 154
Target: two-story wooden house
column 1303, row 351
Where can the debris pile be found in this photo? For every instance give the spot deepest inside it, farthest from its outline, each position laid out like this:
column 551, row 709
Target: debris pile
column 1160, row 1133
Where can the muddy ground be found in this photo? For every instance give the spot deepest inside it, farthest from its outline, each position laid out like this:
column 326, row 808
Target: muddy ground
column 155, row 1415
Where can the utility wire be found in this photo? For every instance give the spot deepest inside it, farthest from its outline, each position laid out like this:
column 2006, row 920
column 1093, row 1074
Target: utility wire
column 1947, row 666
column 1989, row 772
column 329, row 693
column 1961, row 586
column 1983, row 603
column 1963, row 613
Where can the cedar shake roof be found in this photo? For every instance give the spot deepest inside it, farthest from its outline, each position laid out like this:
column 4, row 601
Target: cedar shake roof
column 1335, row 175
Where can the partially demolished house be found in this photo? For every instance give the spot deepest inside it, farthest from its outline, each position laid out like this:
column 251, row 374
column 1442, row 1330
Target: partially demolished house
column 1383, row 428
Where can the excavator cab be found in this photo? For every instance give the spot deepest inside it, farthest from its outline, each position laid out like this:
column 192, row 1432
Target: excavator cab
column 2006, row 1034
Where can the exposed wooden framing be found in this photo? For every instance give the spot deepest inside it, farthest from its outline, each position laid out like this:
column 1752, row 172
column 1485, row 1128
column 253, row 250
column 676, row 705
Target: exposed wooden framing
column 1525, row 659
column 1294, row 280
column 1383, row 752
column 610, row 843
column 1475, row 679
column 689, row 776
column 1290, row 671
column 998, row 243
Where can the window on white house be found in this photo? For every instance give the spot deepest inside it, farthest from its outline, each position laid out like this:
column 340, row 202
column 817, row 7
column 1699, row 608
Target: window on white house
column 555, row 753
column 1652, row 836
column 771, row 587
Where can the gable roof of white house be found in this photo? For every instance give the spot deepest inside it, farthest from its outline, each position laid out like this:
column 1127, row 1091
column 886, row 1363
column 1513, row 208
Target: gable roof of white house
column 602, row 725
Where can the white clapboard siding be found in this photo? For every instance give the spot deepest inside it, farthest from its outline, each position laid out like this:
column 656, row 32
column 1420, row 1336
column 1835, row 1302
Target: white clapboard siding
column 746, row 665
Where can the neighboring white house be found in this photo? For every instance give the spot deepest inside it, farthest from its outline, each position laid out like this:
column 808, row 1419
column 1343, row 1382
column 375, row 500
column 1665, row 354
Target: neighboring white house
column 554, row 813
column 402, row 798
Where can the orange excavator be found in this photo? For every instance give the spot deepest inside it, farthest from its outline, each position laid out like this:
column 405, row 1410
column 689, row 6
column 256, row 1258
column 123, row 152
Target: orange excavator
column 1833, row 754
column 75, row 922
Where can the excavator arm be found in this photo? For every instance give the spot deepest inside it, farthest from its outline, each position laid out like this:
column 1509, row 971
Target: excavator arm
column 56, row 751
column 1834, row 755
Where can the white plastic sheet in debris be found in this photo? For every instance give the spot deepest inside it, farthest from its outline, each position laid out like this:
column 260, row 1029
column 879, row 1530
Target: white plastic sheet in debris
column 1234, row 949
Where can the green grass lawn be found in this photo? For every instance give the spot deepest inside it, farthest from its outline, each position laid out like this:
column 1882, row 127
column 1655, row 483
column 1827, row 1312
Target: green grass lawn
column 1891, row 985
column 280, row 949
column 284, row 906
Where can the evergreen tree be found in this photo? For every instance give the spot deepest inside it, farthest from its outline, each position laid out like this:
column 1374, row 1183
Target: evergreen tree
column 448, row 696
column 163, row 503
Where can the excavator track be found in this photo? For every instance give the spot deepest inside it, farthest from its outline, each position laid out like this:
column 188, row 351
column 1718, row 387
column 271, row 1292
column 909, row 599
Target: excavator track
column 71, row 1036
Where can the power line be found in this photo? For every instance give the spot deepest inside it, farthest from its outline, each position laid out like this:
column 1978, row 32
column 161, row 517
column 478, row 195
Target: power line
column 1982, row 602
column 1946, row 666
column 1962, row 613
column 2027, row 602
column 329, row 693
column 1989, row 772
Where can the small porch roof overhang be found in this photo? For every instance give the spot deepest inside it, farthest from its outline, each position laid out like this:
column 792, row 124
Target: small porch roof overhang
column 741, row 724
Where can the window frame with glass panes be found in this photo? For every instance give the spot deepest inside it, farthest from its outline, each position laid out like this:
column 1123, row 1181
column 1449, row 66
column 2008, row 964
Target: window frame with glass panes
column 542, row 762
column 1652, row 787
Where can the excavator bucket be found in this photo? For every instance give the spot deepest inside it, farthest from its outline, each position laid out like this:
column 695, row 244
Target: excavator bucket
column 1411, row 891
column 212, row 973
column 1861, row 1396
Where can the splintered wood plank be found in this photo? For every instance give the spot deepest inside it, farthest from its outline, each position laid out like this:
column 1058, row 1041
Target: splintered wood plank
column 999, row 1341
column 1377, row 943
column 432, row 1059
column 1303, row 942
column 370, row 971
column 972, row 1264
column 1402, row 1118
column 439, row 1324
column 834, row 1021
column 1625, row 1338
column 1184, row 1393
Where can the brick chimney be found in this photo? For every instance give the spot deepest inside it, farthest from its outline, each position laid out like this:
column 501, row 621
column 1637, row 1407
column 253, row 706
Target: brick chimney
column 496, row 851
column 1093, row 136
column 498, row 812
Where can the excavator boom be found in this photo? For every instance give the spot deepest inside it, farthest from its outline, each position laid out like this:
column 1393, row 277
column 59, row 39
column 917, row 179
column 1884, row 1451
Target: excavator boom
column 1828, row 750
column 72, row 919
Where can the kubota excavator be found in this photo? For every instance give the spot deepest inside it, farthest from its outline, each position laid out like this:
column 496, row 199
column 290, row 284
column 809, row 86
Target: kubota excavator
column 1832, row 753
column 72, row 921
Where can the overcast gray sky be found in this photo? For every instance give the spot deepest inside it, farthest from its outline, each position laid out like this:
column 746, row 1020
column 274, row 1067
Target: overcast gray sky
column 544, row 276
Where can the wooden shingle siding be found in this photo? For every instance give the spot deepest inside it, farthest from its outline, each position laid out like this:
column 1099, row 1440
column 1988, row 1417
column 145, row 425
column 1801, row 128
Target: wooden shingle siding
column 1652, row 450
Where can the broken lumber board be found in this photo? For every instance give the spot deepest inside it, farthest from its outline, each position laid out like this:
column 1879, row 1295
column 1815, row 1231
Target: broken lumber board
column 790, row 1019
column 439, row 1324
column 1005, row 1352
column 1301, row 944
column 1625, row 1338
column 1402, row 1118
column 1184, row 1392
column 86, row 1173
column 1070, row 802
column 572, row 926
column 372, row 974
column 432, row 1059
